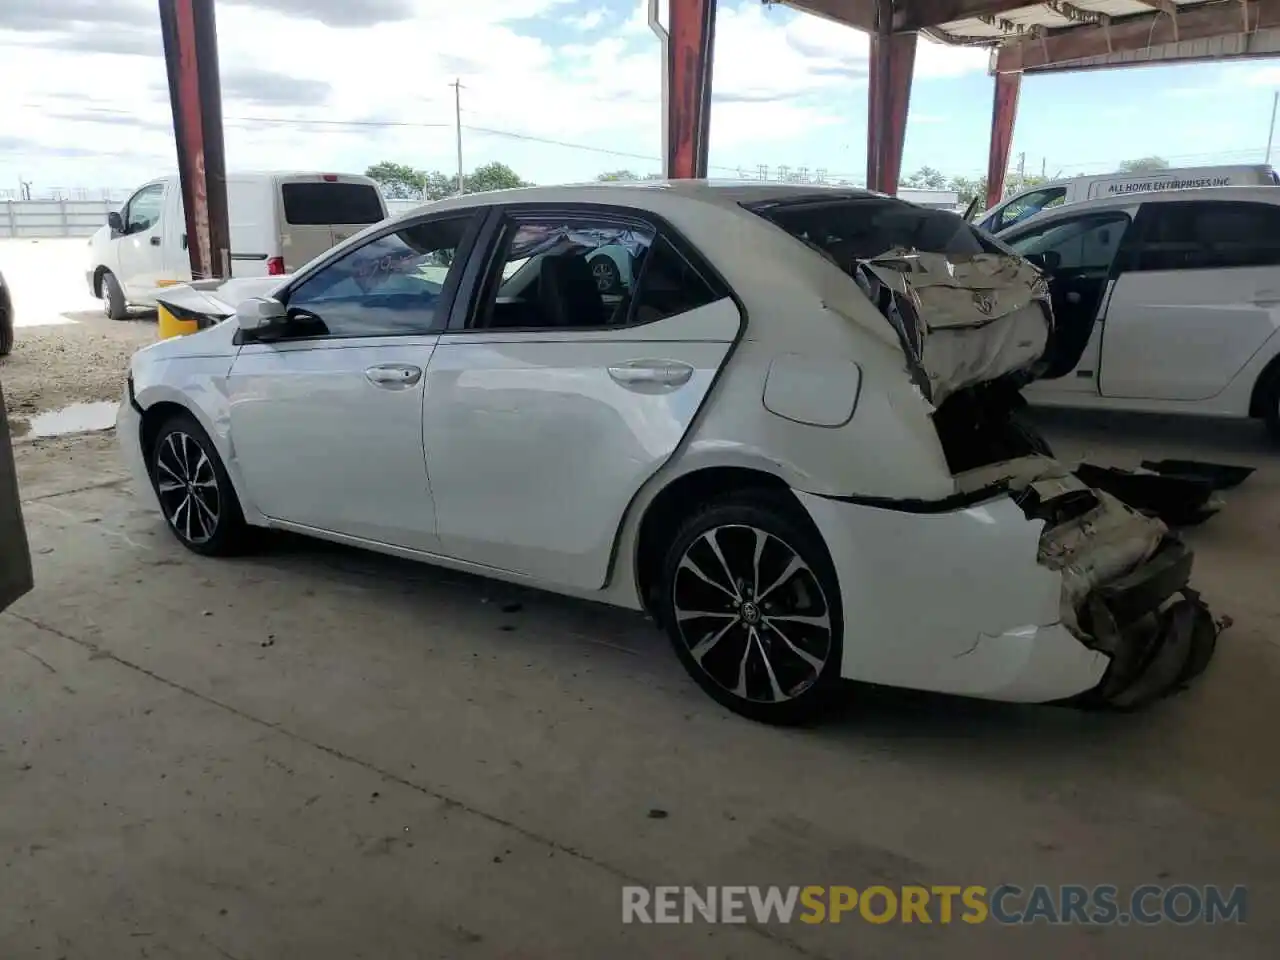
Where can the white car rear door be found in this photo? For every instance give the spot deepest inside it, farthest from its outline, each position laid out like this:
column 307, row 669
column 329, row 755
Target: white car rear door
column 551, row 401
column 1199, row 295
column 326, row 423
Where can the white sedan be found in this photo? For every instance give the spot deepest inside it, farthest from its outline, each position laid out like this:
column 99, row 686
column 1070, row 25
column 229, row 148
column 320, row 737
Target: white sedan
column 1166, row 302
column 789, row 438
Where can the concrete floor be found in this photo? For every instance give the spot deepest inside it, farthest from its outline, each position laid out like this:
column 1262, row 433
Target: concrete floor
column 318, row 753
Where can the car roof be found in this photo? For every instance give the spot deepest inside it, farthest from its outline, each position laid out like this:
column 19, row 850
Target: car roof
column 718, row 192
column 1255, row 194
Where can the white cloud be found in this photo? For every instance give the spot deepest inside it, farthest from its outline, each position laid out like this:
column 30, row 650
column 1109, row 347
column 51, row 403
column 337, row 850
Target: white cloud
column 589, row 20
column 525, row 66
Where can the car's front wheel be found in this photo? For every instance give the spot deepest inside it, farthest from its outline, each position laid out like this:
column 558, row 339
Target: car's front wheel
column 194, row 491
column 751, row 602
column 113, row 302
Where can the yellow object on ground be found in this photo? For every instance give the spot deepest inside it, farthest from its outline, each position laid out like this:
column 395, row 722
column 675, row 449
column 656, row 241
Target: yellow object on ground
column 171, row 326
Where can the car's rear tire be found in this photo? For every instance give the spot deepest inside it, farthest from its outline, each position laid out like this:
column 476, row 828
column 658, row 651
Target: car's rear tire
column 113, row 302
column 195, row 493
column 751, row 603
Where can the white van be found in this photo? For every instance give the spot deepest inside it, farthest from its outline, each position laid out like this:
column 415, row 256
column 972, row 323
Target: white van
column 279, row 221
column 1030, row 202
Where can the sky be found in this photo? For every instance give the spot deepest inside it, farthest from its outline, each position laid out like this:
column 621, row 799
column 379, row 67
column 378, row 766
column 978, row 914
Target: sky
column 342, row 84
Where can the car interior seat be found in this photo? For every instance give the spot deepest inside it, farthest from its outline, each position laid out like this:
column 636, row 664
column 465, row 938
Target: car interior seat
column 570, row 297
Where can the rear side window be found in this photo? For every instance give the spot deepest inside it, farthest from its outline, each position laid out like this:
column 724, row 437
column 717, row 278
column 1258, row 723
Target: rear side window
column 856, row 228
column 1206, row 235
column 320, row 204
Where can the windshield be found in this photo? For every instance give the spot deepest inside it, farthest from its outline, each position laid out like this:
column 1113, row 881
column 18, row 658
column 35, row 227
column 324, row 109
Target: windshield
column 850, row 229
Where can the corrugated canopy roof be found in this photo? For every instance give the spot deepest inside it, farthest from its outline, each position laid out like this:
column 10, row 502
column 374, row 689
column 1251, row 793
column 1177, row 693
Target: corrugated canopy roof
column 1068, row 34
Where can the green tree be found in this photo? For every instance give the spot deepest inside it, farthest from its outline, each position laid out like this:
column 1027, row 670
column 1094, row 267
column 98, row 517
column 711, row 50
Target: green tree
column 967, row 188
column 618, row 176
column 1144, row 165
column 492, row 176
column 927, row 178
column 399, row 181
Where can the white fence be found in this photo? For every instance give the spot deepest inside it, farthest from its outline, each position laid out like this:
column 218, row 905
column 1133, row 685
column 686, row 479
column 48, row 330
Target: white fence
column 53, row 218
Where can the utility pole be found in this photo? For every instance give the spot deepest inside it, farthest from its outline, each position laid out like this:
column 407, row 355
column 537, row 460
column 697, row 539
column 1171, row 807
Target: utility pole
column 1044, row 168
column 457, row 112
column 1022, row 169
column 1271, row 131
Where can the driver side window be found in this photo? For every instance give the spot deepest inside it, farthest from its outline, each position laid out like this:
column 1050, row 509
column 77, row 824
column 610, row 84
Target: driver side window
column 391, row 286
column 1083, row 243
column 143, row 209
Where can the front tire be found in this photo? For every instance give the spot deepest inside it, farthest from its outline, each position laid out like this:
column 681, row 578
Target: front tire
column 114, row 306
column 751, row 603
column 194, row 490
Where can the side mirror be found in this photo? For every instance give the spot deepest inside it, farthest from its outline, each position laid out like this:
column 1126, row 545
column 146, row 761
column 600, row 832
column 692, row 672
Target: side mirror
column 115, row 222
column 1048, row 261
column 261, row 318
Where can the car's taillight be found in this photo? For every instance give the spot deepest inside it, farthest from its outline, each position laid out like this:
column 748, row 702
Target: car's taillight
column 275, row 267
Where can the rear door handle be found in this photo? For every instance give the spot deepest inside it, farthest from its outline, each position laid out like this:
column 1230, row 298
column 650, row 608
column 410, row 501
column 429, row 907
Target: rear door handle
column 393, row 376
column 1266, row 298
column 662, row 373
column 155, row 241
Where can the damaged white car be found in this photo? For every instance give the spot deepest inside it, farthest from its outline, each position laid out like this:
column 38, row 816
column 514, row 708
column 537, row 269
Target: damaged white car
column 787, row 433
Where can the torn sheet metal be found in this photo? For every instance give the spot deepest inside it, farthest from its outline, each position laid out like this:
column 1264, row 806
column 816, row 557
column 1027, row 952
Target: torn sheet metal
column 1178, row 500
column 962, row 320
column 217, row 299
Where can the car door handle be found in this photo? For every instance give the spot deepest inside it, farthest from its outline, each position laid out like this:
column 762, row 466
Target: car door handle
column 665, row 373
column 155, row 241
column 1266, row 298
column 393, row 376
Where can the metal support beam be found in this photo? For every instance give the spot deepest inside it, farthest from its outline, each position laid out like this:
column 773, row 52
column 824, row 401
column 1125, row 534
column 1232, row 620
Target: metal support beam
column 893, row 57
column 1004, row 111
column 195, row 94
column 15, row 556
column 690, row 49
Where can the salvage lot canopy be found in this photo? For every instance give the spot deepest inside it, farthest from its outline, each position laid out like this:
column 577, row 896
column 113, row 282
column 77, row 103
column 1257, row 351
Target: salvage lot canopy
column 1042, row 37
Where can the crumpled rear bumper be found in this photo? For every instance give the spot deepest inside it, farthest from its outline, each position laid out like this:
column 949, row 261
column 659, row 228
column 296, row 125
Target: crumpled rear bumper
column 1157, row 631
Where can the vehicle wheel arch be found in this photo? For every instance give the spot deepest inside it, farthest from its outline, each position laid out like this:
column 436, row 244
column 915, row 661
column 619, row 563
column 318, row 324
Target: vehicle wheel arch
column 678, row 499
column 158, row 411
column 1268, row 381
column 99, row 272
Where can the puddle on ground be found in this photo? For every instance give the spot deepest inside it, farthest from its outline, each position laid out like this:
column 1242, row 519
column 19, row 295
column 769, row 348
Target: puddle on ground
column 77, row 418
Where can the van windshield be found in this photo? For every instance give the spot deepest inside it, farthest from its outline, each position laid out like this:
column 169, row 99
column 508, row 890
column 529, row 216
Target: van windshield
column 849, row 229
column 316, row 204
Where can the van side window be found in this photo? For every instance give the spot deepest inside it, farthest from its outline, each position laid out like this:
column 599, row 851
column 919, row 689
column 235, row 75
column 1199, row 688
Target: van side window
column 1028, row 206
column 391, row 286
column 1200, row 235
column 144, row 208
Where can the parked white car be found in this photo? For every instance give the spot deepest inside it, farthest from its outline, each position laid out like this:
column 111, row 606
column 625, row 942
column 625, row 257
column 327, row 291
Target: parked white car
column 1164, row 302
column 789, row 440
column 279, row 221
column 1059, row 193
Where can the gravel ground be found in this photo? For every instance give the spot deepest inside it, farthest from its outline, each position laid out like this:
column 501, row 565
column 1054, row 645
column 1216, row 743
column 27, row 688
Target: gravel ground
column 65, row 350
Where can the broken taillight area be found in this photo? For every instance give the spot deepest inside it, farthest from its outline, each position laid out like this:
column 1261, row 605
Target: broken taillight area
column 1125, row 589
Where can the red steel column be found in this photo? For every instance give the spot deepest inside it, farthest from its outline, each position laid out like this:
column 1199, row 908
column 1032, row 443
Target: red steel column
column 893, row 58
column 195, row 94
column 690, row 48
column 1004, row 111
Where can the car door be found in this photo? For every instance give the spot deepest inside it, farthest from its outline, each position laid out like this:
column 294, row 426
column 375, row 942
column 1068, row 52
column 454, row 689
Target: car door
column 140, row 250
column 326, row 422
column 1079, row 253
column 550, row 402
column 1197, row 299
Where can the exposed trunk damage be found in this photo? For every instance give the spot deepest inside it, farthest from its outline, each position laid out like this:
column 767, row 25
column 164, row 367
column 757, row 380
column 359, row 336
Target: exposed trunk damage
column 962, row 320
column 974, row 328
